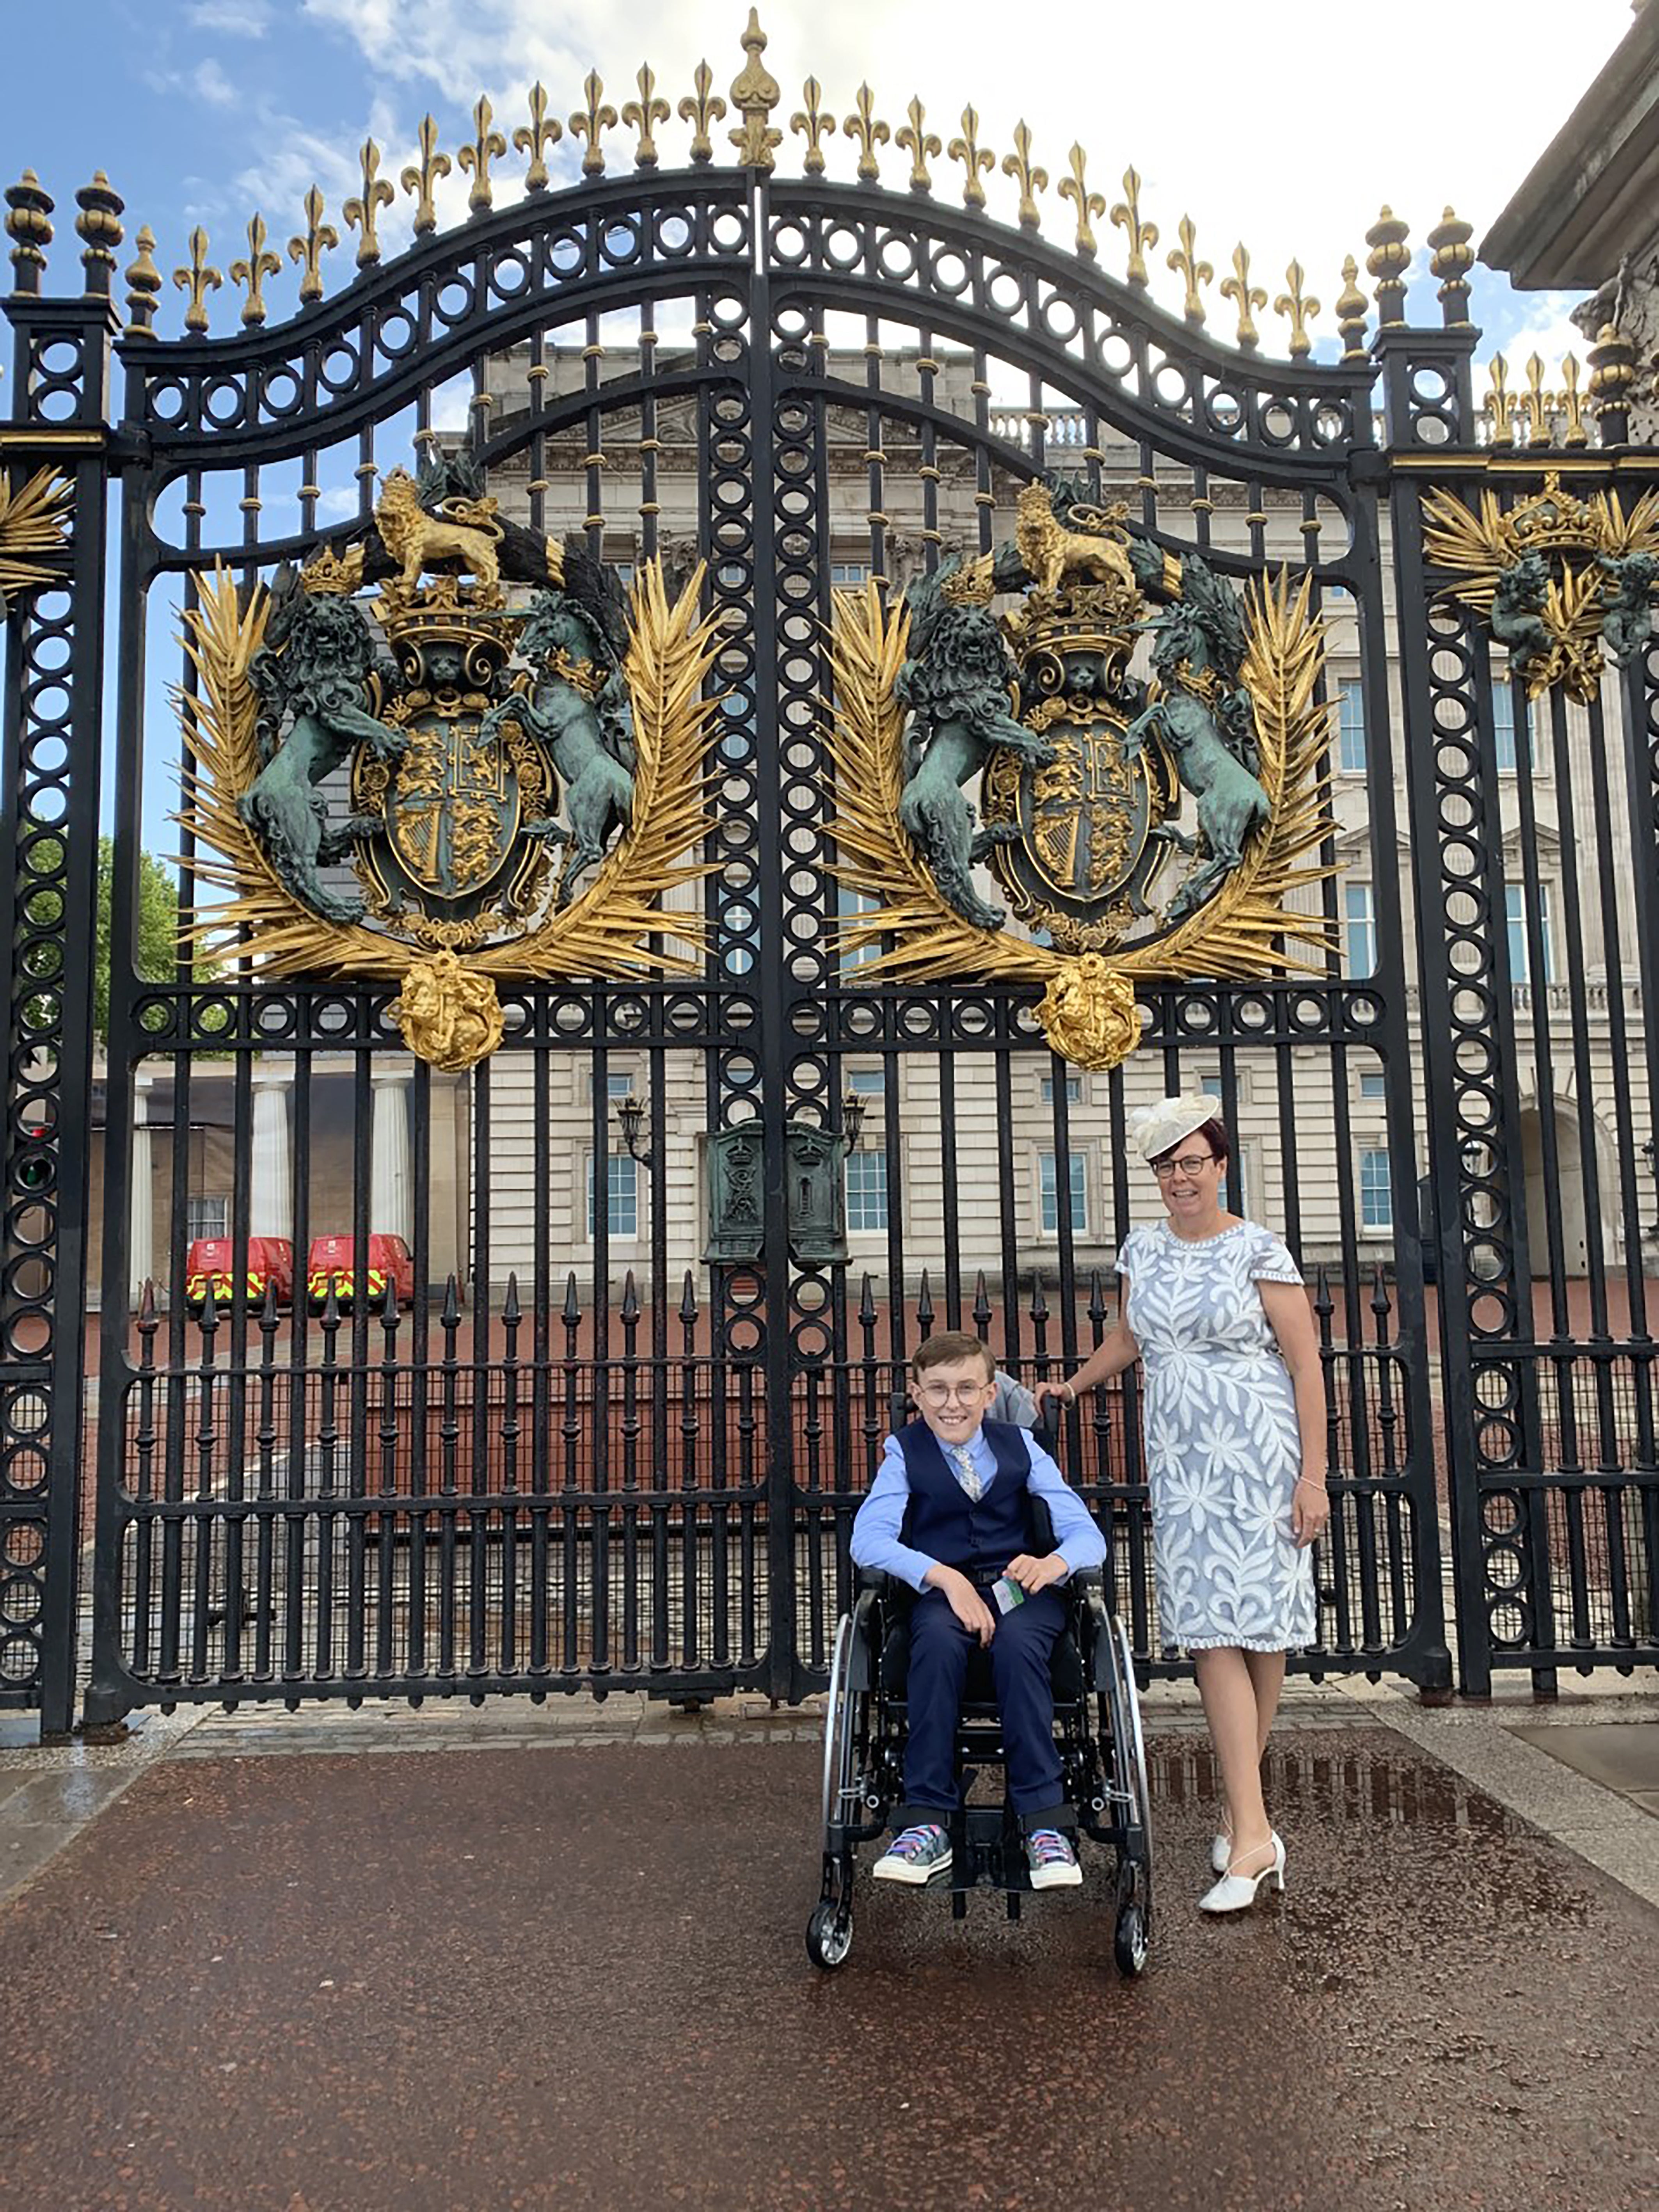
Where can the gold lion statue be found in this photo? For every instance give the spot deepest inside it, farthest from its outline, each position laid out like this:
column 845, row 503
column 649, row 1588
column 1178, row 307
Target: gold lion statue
column 420, row 540
column 1088, row 1014
column 1051, row 552
column 450, row 1017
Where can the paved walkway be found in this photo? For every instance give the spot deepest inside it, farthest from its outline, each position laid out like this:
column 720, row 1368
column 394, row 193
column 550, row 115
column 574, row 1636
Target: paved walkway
column 299, row 1962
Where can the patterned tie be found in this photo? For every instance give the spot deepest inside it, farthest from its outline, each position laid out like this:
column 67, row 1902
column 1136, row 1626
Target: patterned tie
column 967, row 1474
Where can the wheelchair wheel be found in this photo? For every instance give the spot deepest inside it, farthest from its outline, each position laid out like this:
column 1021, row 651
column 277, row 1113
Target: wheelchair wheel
column 839, row 1726
column 830, row 1934
column 1131, row 1797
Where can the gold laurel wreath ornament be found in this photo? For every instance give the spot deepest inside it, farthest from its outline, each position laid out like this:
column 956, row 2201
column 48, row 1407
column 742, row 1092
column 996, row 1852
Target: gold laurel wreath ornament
column 448, row 1008
column 1087, row 1012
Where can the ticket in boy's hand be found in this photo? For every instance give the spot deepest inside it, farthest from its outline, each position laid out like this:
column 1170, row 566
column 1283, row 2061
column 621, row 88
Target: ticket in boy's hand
column 1007, row 1594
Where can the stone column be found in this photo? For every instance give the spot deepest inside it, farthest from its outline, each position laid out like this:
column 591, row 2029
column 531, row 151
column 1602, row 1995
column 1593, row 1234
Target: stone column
column 141, row 1212
column 270, row 1209
column 390, row 1212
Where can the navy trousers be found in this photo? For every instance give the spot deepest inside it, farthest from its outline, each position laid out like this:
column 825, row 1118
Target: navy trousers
column 939, row 1650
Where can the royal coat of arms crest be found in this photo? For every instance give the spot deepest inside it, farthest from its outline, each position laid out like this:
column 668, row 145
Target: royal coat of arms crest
column 1085, row 769
column 440, row 783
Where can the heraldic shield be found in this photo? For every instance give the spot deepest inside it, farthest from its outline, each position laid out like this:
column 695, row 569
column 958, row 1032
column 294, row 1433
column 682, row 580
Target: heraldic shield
column 449, row 752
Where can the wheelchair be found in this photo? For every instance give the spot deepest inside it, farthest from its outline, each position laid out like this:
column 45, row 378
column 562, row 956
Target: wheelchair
column 1097, row 1733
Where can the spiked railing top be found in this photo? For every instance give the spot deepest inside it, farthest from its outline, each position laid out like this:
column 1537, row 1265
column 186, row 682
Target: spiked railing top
column 765, row 127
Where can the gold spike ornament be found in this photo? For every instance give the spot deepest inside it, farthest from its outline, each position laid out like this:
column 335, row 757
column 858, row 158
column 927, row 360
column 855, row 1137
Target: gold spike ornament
column 1192, row 271
column 320, row 237
column 815, row 124
column 487, row 145
column 870, row 133
column 643, row 115
column 973, row 158
column 535, row 138
column 919, row 143
column 701, row 109
column 1351, row 306
column 755, row 94
column 363, row 213
column 1238, row 289
column 1031, row 179
column 421, row 176
column 253, row 273
column 1075, row 188
column 199, row 280
column 1143, row 236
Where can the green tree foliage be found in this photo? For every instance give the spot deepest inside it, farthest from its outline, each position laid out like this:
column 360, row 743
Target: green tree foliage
column 155, row 952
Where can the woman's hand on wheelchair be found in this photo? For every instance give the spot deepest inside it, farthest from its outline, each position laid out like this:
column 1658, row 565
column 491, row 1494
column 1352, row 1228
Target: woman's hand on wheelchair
column 1033, row 1574
column 1062, row 1392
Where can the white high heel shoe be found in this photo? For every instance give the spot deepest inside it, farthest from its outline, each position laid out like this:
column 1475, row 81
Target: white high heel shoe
column 1221, row 1850
column 1234, row 1892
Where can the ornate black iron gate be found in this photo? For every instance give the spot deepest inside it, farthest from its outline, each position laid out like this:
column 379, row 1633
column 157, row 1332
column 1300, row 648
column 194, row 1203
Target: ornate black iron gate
column 645, row 1278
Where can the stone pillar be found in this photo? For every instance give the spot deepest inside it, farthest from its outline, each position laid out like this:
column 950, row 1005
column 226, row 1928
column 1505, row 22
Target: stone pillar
column 390, row 1212
column 270, row 1209
column 140, row 1213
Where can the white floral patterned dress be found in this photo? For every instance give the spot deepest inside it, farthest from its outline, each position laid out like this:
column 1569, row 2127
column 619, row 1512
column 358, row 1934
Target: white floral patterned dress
column 1222, row 1446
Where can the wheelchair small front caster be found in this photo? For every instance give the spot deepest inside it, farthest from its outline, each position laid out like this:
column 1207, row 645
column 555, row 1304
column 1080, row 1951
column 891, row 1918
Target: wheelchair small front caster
column 828, row 1935
column 1129, row 1940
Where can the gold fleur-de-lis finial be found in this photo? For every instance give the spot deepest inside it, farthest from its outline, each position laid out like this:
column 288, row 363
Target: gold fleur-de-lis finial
column 318, row 238
column 363, row 213
column 487, row 144
column 755, row 94
column 1301, row 307
column 643, row 114
column 1352, row 308
column 1031, row 179
column 1498, row 406
column 252, row 272
column 1075, row 188
column 814, row 126
column 591, row 122
column 199, row 280
column 535, row 138
column 1143, row 236
column 863, row 125
column 421, row 176
column 1535, row 404
column 1571, row 403
column 1245, row 296
column 699, row 109
column 973, row 158
column 919, row 143
column 1192, row 271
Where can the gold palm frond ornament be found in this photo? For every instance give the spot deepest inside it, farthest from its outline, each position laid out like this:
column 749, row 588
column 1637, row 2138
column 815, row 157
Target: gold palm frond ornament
column 33, row 532
column 1084, row 818
column 520, row 926
column 1554, row 576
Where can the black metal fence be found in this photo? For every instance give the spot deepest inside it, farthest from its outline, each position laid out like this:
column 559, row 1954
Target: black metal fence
column 586, row 1456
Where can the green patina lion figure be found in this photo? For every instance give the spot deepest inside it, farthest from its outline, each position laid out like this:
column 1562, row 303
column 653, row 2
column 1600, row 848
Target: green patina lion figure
column 309, row 676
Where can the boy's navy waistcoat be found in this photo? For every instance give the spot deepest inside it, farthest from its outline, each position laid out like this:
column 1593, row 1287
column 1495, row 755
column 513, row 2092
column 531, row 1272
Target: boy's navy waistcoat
column 938, row 1520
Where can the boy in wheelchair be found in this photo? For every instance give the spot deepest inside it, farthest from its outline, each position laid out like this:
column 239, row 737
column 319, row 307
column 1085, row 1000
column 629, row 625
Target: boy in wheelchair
column 948, row 1513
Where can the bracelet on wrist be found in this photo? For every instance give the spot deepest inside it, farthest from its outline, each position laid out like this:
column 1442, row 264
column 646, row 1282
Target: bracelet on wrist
column 1313, row 1481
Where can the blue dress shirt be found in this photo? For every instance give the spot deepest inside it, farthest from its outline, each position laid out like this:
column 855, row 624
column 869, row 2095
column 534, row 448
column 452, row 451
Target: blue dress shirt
column 875, row 1542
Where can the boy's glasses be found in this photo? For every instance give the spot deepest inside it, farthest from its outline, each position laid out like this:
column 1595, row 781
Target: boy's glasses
column 1189, row 1164
column 942, row 1394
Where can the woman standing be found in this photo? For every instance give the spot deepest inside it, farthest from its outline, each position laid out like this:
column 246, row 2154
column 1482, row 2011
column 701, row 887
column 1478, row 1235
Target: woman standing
column 1234, row 1433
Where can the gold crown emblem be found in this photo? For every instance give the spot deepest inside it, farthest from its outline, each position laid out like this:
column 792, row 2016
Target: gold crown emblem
column 445, row 610
column 1553, row 521
column 972, row 585
column 331, row 575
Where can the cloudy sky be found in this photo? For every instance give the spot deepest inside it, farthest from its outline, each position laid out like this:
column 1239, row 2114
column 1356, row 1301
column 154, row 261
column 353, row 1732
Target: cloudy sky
column 1286, row 128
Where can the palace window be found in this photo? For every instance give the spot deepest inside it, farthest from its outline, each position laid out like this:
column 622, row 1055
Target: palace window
column 1049, row 1194
column 1503, row 727
column 847, row 903
column 1375, row 1191
column 1360, row 921
column 1520, row 947
column 867, row 1190
column 848, row 574
column 621, row 1212
column 207, row 1217
column 1351, row 727
column 1073, row 1091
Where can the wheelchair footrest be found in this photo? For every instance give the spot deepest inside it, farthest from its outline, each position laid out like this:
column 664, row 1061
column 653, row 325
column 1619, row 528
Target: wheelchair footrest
column 986, row 1852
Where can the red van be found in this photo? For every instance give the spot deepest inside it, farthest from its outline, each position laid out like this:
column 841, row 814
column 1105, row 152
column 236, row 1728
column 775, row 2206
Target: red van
column 390, row 1273
column 210, row 1264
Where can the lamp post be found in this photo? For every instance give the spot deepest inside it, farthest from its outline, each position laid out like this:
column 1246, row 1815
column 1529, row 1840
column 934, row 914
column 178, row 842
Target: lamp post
column 852, row 1119
column 630, row 1120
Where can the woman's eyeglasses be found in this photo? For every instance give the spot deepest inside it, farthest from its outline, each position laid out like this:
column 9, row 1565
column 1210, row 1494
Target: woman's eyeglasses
column 1189, row 1164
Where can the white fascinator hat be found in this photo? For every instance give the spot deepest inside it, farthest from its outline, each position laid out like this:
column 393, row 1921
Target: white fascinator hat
column 1153, row 1129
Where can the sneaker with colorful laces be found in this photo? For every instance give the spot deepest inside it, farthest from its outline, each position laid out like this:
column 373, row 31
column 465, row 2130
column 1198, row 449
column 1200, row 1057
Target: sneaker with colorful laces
column 916, row 1856
column 1052, row 1860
